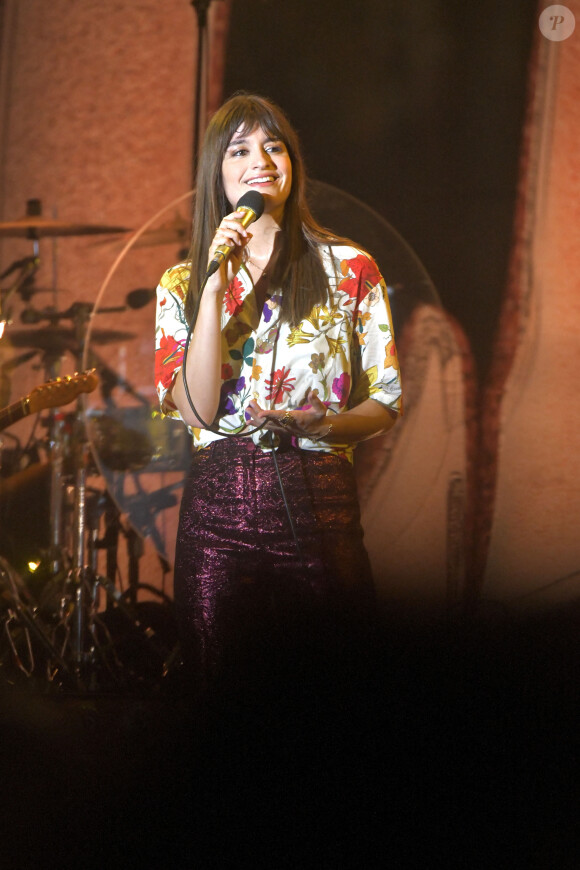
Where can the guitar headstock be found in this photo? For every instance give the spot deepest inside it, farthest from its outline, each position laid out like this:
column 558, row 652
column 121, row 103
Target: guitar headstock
column 62, row 390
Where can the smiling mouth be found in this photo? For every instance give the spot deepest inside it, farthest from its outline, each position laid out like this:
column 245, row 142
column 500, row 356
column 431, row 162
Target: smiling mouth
column 263, row 179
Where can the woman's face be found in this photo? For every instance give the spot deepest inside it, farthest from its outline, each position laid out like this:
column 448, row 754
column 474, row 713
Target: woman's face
column 254, row 161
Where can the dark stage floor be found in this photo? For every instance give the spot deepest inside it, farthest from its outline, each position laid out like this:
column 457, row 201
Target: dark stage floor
column 449, row 745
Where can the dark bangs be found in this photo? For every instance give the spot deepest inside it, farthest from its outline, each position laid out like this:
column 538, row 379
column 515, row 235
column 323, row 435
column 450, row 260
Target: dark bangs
column 299, row 270
column 245, row 112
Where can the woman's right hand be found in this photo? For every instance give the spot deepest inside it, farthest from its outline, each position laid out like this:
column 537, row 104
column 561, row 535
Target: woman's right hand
column 230, row 232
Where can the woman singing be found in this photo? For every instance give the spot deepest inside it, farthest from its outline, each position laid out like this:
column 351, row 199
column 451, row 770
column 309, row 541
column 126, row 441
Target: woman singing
column 291, row 353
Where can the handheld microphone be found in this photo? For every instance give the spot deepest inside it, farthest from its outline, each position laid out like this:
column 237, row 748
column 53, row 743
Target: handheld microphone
column 252, row 204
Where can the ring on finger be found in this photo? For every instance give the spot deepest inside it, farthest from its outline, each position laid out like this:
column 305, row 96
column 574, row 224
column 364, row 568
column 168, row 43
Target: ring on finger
column 287, row 418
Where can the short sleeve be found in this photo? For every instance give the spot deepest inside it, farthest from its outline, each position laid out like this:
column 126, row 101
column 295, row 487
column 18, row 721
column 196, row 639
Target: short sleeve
column 170, row 334
column 378, row 375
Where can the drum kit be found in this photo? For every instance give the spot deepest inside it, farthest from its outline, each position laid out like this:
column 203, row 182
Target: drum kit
column 65, row 623
column 70, row 623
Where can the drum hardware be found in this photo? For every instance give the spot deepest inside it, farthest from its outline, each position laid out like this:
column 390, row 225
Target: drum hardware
column 87, row 632
column 22, row 625
column 49, row 395
column 34, row 226
column 121, row 447
column 64, row 624
column 64, row 637
column 99, row 638
column 23, row 285
column 81, row 633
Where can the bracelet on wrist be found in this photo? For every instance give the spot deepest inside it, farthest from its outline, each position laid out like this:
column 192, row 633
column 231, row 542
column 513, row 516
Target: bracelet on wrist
column 324, row 435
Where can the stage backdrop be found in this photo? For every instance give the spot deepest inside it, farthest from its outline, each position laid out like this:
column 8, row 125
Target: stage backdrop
column 530, row 490
column 96, row 105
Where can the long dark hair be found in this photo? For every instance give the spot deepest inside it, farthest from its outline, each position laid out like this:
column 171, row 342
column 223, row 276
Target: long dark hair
column 299, row 270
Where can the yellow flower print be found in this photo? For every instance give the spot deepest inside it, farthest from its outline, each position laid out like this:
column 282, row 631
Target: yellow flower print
column 335, row 345
column 362, row 318
column 177, row 281
column 328, row 316
column 391, row 358
column 299, row 336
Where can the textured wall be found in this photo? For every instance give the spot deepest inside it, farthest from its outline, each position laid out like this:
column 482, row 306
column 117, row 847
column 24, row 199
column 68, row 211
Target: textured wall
column 97, row 109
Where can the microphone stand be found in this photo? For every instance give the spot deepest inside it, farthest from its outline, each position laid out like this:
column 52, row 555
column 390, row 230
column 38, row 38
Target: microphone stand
column 201, row 7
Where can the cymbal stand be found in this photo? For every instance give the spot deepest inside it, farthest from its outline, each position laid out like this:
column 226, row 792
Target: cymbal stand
column 56, row 521
column 83, row 575
column 92, row 646
column 80, row 571
column 57, row 454
column 94, row 651
column 71, row 563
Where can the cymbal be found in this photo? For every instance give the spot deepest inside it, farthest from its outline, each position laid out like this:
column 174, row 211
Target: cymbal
column 174, row 232
column 36, row 226
column 60, row 338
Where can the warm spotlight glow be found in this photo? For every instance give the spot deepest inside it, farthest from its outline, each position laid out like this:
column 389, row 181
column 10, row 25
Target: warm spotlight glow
column 2, row 327
column 33, row 566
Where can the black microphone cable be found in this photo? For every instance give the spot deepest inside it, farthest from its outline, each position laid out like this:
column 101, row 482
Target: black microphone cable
column 247, row 434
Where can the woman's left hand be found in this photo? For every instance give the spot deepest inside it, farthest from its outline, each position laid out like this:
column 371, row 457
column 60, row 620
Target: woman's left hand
column 309, row 423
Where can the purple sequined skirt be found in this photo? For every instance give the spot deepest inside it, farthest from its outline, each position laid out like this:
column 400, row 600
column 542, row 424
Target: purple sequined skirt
column 241, row 582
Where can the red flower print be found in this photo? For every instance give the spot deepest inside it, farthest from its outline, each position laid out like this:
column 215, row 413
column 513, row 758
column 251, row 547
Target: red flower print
column 279, row 384
column 168, row 357
column 233, row 297
column 227, row 372
column 360, row 273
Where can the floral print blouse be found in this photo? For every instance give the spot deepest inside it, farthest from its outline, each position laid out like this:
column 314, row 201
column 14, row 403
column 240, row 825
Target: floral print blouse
column 344, row 349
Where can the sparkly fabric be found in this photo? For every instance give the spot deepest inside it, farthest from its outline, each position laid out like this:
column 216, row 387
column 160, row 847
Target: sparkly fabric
column 240, row 583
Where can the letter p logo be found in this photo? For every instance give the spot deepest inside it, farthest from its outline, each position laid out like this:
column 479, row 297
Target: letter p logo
column 557, row 23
